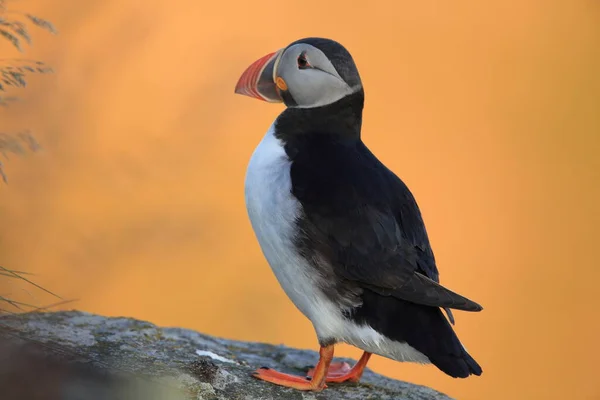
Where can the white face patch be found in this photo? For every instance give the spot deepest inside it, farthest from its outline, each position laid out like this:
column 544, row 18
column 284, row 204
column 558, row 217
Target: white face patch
column 316, row 86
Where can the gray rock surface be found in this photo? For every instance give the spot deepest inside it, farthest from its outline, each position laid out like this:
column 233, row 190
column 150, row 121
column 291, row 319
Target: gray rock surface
column 80, row 356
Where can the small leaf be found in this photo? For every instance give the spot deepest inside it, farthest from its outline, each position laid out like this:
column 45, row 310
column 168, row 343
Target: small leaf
column 5, row 101
column 18, row 27
column 42, row 23
column 2, row 173
column 12, row 38
column 21, row 30
column 29, row 140
column 13, row 78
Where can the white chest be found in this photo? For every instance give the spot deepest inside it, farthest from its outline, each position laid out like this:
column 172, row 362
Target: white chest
column 273, row 210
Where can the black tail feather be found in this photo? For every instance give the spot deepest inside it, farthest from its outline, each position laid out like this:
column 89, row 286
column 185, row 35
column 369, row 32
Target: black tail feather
column 424, row 328
column 423, row 290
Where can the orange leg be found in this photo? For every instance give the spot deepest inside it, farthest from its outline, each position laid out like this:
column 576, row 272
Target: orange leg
column 341, row 372
column 316, row 384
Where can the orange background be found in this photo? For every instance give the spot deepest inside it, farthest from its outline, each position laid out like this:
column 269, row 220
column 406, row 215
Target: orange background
column 490, row 112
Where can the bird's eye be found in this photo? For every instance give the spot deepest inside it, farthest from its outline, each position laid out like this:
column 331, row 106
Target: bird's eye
column 303, row 62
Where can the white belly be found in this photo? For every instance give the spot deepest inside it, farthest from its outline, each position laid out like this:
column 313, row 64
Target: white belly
column 272, row 210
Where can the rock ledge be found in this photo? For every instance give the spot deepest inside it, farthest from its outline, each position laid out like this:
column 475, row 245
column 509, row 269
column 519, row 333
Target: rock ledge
column 75, row 355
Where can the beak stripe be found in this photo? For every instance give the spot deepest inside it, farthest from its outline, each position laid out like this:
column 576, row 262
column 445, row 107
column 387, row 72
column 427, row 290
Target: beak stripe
column 248, row 83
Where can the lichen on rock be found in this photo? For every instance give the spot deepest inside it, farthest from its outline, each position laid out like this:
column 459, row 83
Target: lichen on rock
column 75, row 355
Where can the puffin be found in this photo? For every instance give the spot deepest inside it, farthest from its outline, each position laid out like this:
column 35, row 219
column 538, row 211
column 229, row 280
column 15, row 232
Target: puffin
column 342, row 233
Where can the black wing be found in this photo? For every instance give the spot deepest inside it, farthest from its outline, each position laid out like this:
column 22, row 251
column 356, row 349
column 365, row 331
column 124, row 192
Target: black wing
column 366, row 223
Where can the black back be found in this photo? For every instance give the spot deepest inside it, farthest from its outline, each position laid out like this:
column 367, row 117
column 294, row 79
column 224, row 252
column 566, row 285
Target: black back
column 360, row 218
column 340, row 182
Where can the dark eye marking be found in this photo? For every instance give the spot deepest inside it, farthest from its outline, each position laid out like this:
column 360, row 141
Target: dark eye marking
column 303, row 62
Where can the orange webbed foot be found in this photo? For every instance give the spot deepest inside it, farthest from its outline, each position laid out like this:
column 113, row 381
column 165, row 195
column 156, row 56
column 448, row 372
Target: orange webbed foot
column 341, row 372
column 316, row 383
column 287, row 380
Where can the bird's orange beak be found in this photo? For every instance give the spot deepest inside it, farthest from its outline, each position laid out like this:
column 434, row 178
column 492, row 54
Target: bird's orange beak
column 258, row 80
